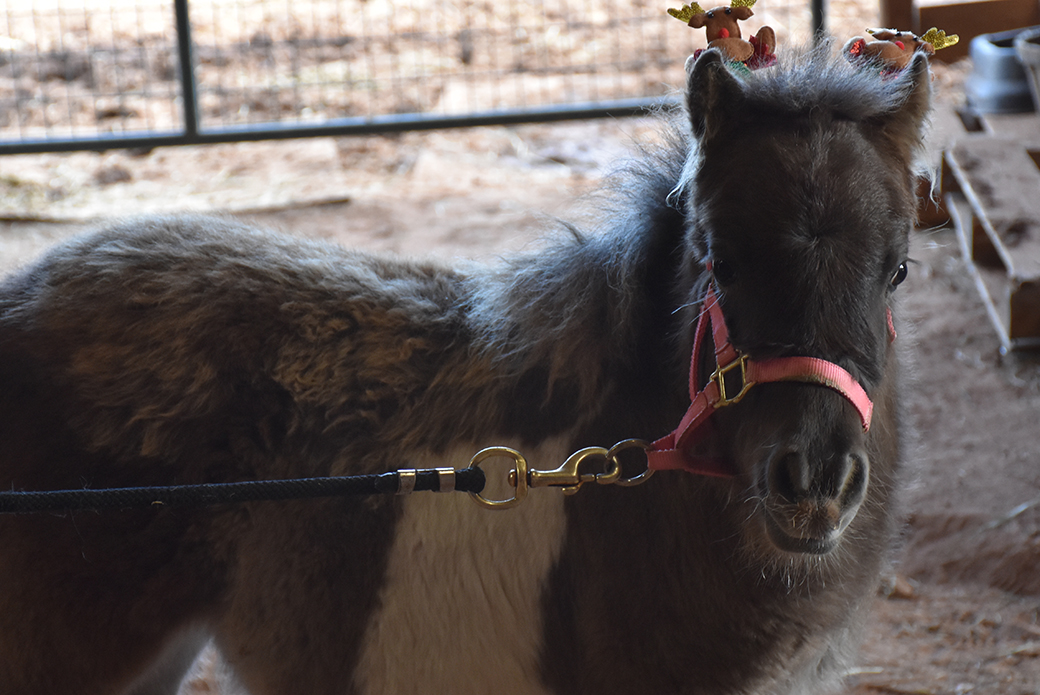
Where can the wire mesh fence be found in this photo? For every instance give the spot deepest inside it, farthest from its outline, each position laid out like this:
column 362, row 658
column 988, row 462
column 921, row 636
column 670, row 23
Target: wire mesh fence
column 76, row 73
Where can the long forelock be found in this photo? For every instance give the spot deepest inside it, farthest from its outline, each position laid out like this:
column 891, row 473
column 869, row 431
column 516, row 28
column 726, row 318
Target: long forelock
column 816, row 80
column 814, row 83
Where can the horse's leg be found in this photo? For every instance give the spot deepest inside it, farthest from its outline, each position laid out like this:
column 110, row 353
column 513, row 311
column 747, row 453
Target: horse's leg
column 79, row 615
column 306, row 580
column 88, row 600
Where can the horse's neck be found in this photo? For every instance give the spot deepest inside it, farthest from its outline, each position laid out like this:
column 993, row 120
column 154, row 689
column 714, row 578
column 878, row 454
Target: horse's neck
column 596, row 321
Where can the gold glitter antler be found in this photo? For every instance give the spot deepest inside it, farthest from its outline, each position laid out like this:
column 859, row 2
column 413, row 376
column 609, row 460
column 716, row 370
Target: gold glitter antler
column 939, row 39
column 743, row 3
column 687, row 12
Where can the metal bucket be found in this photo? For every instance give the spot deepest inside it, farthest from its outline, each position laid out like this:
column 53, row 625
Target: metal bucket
column 998, row 82
column 1027, row 47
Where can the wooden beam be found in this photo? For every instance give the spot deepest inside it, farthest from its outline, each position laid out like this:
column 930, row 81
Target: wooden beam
column 990, row 185
column 970, row 18
column 897, row 14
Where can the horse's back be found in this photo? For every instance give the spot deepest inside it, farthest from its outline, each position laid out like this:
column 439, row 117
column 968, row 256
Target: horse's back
column 177, row 351
column 162, row 333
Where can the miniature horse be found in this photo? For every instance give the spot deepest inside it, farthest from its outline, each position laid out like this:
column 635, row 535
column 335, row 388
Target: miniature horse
column 187, row 350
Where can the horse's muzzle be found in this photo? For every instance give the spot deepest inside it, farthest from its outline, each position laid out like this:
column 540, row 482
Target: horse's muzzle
column 808, row 503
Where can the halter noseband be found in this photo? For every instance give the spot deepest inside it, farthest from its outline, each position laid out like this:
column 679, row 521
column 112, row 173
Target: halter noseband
column 735, row 373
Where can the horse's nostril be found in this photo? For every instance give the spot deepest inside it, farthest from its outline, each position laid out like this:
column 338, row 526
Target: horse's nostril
column 854, row 484
column 789, row 476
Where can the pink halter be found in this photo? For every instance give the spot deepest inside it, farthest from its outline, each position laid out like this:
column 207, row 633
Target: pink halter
column 735, row 373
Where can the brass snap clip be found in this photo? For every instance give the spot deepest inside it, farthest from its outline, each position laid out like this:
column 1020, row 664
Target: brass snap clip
column 569, row 476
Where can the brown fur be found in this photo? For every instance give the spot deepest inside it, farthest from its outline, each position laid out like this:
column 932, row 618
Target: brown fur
column 187, row 350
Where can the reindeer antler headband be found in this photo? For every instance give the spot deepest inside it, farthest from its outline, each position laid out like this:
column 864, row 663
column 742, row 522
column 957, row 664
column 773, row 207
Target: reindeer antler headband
column 688, row 11
column 939, row 39
column 724, row 35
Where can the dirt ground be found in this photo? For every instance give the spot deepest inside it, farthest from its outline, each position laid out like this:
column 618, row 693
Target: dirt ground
column 960, row 612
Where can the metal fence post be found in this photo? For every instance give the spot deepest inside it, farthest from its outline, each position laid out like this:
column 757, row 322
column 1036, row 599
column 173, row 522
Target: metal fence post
column 189, row 94
column 818, row 25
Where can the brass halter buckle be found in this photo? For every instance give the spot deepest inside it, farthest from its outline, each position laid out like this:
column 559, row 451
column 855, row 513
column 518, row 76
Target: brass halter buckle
column 719, row 377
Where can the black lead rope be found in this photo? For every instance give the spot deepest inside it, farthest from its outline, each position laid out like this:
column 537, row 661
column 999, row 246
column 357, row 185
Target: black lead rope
column 403, row 481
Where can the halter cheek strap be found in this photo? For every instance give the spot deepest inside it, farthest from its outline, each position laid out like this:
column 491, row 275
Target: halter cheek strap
column 735, row 373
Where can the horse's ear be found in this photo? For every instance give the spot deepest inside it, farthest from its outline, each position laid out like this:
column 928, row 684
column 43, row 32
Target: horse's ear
column 713, row 94
column 905, row 126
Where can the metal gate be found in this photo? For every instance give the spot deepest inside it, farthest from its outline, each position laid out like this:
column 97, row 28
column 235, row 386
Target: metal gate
column 103, row 74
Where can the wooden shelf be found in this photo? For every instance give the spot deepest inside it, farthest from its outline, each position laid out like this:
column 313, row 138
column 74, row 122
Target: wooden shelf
column 991, row 190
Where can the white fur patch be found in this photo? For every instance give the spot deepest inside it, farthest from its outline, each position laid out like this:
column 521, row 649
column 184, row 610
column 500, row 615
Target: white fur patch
column 461, row 608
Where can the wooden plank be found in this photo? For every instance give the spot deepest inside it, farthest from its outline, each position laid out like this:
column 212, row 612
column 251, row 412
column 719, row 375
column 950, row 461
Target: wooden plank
column 1012, row 126
column 1001, row 181
column 947, row 127
column 1025, row 313
column 989, row 281
column 897, row 13
column 991, row 189
column 970, row 18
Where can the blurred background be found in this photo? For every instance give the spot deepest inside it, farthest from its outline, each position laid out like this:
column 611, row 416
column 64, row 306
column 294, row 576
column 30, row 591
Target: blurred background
column 96, row 69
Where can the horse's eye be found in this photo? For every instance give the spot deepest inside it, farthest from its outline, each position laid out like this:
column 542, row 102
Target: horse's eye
column 899, row 275
column 723, row 271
